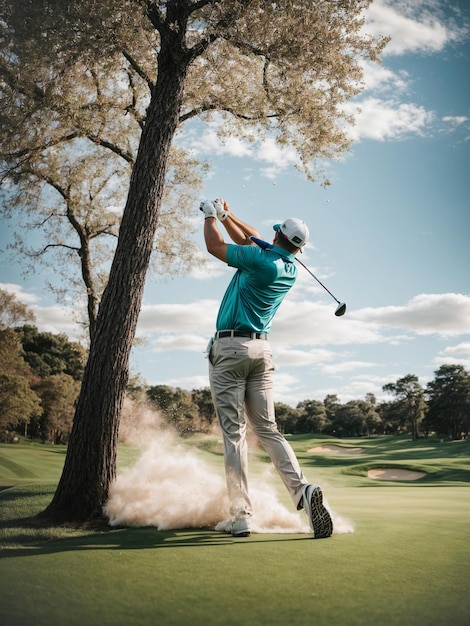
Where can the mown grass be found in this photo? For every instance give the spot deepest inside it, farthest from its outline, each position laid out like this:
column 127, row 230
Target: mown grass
column 406, row 563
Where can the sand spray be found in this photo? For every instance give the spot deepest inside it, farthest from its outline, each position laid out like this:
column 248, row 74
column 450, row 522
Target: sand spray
column 174, row 486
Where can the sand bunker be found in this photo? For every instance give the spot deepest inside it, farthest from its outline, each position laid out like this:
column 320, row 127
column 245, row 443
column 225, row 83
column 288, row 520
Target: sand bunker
column 389, row 473
column 331, row 449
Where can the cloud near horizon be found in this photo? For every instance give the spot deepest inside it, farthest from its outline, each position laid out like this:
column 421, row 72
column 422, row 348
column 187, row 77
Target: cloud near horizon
column 446, row 314
column 306, row 334
column 309, row 325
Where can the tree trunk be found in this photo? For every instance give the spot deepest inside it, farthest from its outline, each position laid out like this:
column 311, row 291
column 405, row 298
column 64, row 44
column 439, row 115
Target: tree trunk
column 90, row 464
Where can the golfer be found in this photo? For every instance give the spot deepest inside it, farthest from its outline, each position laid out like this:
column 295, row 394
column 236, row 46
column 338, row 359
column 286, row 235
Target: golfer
column 240, row 360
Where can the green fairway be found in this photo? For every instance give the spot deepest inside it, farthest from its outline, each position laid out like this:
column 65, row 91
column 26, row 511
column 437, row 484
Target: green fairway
column 406, row 563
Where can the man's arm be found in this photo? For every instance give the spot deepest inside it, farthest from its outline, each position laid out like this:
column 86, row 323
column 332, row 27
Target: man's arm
column 238, row 231
column 215, row 243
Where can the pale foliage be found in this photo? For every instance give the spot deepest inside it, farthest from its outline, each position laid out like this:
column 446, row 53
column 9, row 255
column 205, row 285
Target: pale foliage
column 12, row 312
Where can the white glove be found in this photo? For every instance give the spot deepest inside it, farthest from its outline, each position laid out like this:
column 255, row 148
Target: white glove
column 208, row 209
column 221, row 212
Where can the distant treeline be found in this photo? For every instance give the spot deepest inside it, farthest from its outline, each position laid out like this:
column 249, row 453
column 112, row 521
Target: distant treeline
column 40, row 376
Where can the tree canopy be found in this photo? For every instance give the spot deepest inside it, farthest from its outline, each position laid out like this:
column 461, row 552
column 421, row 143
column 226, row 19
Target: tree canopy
column 40, row 375
column 410, row 393
column 448, row 396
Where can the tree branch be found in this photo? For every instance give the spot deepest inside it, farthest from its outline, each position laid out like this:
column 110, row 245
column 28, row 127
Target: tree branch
column 39, row 253
column 27, row 151
column 138, row 70
column 213, row 107
column 154, row 14
column 104, row 143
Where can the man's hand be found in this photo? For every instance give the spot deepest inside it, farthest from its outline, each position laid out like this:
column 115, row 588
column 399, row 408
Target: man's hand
column 208, row 209
column 219, row 204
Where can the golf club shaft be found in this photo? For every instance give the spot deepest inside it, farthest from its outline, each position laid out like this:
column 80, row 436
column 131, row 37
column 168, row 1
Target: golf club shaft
column 318, row 281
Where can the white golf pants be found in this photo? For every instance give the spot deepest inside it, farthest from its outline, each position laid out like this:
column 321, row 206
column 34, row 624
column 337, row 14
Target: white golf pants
column 241, row 375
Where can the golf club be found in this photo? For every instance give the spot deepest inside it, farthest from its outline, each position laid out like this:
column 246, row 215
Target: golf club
column 340, row 309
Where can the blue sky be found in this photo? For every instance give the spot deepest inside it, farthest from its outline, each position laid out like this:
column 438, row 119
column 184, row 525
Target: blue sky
column 389, row 237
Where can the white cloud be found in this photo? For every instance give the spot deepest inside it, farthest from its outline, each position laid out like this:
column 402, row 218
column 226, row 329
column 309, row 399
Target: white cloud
column 413, row 25
column 346, row 366
column 461, row 348
column 306, row 323
column 22, row 296
column 455, row 120
column 188, row 382
column 291, row 357
column 286, row 388
column 50, row 319
column 446, row 314
column 58, row 319
column 388, row 119
column 454, row 355
column 302, row 328
column 375, row 380
column 277, row 157
column 452, row 123
column 192, row 343
column 443, row 360
column 380, row 78
column 209, row 143
column 177, row 318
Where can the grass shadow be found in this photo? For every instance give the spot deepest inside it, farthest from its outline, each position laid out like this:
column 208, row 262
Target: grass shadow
column 146, row 538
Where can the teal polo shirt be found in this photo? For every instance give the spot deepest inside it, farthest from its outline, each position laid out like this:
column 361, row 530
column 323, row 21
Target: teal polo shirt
column 257, row 288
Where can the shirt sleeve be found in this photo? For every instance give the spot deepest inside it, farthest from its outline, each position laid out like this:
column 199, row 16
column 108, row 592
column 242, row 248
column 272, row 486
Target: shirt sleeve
column 246, row 258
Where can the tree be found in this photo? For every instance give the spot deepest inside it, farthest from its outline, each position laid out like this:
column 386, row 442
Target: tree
column 332, row 404
column 58, row 395
column 13, row 312
column 202, row 398
column 281, row 68
column 411, row 396
column 48, row 354
column 18, row 403
column 448, row 398
column 312, row 416
column 70, row 125
column 177, row 407
column 40, row 378
column 286, row 417
column 393, row 416
column 373, row 421
column 350, row 419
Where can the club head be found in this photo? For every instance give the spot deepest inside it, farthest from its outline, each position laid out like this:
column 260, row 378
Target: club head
column 341, row 309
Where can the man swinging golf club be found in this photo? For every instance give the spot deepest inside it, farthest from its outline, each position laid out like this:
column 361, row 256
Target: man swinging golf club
column 240, row 360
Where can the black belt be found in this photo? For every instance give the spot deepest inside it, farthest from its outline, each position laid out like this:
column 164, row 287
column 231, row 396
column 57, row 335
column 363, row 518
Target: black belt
column 240, row 333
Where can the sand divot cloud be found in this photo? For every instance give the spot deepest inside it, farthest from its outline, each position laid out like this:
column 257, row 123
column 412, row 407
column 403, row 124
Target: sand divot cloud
column 172, row 487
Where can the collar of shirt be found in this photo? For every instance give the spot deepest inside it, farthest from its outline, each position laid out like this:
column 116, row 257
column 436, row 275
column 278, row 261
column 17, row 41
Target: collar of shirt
column 284, row 253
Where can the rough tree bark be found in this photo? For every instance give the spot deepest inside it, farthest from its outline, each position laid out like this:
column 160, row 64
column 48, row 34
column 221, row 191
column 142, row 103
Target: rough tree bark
column 83, row 488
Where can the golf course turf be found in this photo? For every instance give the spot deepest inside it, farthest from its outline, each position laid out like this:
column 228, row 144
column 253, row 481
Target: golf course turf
column 407, row 561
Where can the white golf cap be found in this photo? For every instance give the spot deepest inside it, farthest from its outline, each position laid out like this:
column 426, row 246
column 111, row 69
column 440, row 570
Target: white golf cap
column 294, row 230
